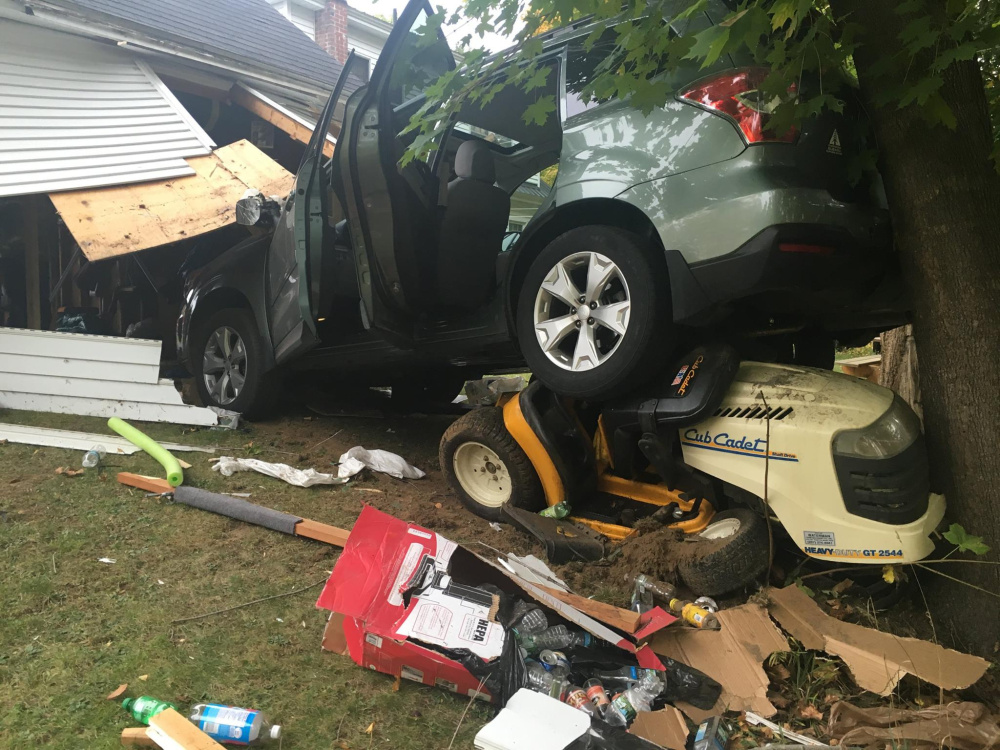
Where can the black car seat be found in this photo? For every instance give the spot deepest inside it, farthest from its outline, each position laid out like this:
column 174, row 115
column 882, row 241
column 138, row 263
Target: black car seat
column 472, row 229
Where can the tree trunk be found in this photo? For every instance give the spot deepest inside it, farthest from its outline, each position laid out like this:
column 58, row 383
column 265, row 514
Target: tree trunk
column 899, row 366
column 944, row 195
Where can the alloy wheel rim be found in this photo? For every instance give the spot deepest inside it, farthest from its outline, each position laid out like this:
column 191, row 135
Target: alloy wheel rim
column 582, row 311
column 482, row 474
column 224, row 365
column 723, row 529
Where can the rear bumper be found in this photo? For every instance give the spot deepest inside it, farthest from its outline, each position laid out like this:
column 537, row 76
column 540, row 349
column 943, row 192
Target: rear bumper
column 818, row 272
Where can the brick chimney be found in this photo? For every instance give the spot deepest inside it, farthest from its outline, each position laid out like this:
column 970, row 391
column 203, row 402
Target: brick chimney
column 331, row 29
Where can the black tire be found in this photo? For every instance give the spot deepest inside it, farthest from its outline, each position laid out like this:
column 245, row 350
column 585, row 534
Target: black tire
column 486, row 427
column 255, row 399
column 647, row 341
column 731, row 563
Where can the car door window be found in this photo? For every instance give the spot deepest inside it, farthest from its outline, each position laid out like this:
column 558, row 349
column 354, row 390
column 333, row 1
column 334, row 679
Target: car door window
column 423, row 56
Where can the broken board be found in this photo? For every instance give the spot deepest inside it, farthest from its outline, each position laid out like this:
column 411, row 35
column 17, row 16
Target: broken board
column 114, row 221
column 171, row 731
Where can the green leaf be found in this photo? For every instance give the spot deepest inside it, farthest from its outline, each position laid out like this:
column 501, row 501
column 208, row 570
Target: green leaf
column 537, row 79
column 708, row 45
column 808, row 591
column 734, row 18
column 965, row 541
column 539, row 112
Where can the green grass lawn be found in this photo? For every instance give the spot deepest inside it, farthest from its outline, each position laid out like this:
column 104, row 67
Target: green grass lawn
column 74, row 628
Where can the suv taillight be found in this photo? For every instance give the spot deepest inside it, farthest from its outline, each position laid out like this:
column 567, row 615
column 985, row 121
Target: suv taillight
column 736, row 94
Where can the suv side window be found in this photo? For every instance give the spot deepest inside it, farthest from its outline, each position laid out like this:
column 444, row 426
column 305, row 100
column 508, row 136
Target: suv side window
column 581, row 67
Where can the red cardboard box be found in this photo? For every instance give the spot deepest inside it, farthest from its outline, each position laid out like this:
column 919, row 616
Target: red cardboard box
column 380, row 629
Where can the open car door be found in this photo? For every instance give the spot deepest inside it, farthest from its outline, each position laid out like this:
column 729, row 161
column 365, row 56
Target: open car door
column 295, row 258
column 393, row 212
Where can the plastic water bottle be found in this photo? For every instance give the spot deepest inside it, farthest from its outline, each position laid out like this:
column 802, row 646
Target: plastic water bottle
column 530, row 622
column 539, row 678
column 145, row 708
column 555, row 638
column 637, row 698
column 234, row 726
column 92, row 458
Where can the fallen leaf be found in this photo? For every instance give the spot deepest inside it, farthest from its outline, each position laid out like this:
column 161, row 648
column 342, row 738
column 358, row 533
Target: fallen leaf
column 779, row 701
column 810, row 712
column 397, row 684
column 144, row 677
column 343, row 745
column 117, row 692
column 780, row 672
column 184, row 464
column 438, row 506
column 889, row 573
column 841, row 587
column 371, row 728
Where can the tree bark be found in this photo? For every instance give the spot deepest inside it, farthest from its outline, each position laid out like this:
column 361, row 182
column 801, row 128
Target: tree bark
column 899, row 366
column 944, row 196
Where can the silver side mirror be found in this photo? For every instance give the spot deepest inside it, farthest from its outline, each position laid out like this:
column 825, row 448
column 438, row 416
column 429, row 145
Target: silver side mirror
column 249, row 209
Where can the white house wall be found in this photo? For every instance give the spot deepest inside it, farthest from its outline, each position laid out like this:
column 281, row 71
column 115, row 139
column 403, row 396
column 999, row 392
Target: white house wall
column 76, row 113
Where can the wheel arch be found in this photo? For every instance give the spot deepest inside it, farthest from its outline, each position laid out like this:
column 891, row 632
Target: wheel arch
column 221, row 297
column 590, row 211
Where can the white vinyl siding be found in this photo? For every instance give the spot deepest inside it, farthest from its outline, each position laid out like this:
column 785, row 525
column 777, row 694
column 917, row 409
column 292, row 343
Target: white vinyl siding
column 78, row 114
column 304, row 18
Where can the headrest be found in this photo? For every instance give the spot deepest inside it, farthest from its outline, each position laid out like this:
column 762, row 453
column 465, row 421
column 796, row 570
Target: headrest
column 474, row 161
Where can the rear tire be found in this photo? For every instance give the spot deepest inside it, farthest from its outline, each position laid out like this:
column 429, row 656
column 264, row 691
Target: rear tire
column 733, row 561
column 486, row 467
column 236, row 329
column 550, row 329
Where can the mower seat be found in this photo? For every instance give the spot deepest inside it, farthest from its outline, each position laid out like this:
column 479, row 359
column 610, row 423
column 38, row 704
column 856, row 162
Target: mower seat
column 649, row 419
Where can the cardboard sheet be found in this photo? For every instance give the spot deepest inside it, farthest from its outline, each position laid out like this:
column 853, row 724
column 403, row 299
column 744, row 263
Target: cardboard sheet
column 732, row 655
column 877, row 660
column 532, row 721
column 665, row 727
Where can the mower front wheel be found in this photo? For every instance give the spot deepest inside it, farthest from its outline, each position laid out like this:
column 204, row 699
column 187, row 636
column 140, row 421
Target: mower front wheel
column 486, row 467
column 736, row 551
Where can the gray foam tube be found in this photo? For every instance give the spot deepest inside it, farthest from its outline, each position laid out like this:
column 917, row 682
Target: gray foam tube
column 234, row 507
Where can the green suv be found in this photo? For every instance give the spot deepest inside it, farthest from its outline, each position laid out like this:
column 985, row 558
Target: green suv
column 694, row 221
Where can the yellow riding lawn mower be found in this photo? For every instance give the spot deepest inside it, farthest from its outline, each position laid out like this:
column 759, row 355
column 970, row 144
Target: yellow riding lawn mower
column 714, row 450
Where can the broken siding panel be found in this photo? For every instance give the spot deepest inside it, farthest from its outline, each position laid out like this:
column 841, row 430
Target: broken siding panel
column 102, row 376
column 76, row 113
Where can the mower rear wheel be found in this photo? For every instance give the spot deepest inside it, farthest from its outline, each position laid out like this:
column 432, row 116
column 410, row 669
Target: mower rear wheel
column 736, row 555
column 486, row 467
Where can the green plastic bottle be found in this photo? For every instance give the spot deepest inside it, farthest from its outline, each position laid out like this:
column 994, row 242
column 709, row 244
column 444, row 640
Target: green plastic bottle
column 145, row 708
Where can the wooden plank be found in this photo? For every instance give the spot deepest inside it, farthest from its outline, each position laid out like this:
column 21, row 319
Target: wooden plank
column 622, row 619
column 137, row 737
column 295, row 130
column 142, row 482
column 171, row 731
column 322, row 532
column 114, row 221
column 868, row 359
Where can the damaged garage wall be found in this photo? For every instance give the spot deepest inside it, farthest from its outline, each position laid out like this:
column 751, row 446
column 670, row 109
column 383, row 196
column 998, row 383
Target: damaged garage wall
column 79, row 114
column 115, row 221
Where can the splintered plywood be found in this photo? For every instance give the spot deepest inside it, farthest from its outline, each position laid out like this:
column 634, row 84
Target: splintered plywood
column 109, row 222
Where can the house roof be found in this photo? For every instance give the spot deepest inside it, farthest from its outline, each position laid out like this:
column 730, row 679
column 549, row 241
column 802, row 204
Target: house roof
column 247, row 31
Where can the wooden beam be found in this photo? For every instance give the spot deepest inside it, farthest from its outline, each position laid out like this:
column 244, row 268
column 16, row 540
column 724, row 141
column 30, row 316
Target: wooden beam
column 172, row 731
column 141, row 482
column 322, row 532
column 32, row 259
column 616, row 617
column 295, row 130
column 137, row 737
column 114, row 221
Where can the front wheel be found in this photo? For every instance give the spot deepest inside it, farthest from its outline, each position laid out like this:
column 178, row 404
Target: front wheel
column 486, row 467
column 732, row 552
column 594, row 316
column 229, row 363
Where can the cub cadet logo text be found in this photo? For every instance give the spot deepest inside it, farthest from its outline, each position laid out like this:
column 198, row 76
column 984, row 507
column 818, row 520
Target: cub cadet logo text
column 689, row 377
column 741, row 446
column 833, row 552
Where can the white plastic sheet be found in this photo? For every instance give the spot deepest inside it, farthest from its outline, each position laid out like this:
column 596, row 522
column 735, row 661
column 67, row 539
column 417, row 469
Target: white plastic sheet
column 357, row 458
column 227, row 466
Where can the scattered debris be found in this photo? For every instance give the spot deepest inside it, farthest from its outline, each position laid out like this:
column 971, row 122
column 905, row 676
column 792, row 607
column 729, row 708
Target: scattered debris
column 227, row 466
column 68, row 472
column 358, row 458
column 172, row 731
column 877, row 660
column 107, row 560
column 136, row 737
column 666, row 728
column 536, row 721
column 118, row 692
column 733, row 655
column 488, row 391
column 175, row 475
column 961, row 725
column 80, row 441
column 779, row 731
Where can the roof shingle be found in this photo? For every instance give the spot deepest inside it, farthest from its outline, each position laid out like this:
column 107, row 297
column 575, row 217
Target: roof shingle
column 240, row 30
